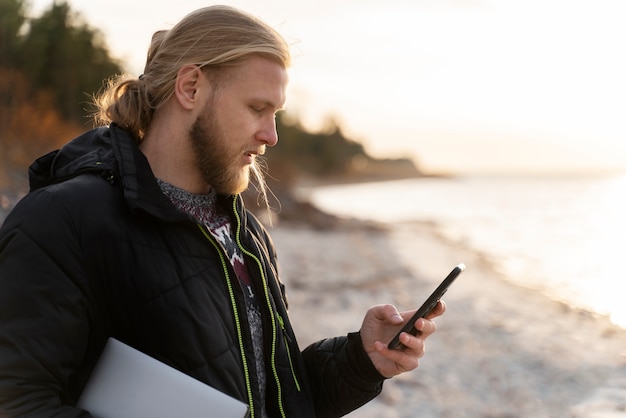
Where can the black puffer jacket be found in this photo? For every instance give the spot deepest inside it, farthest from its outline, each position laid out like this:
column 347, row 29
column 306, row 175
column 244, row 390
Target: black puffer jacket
column 96, row 250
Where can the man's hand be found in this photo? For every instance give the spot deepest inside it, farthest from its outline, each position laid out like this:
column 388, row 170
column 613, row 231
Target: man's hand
column 379, row 326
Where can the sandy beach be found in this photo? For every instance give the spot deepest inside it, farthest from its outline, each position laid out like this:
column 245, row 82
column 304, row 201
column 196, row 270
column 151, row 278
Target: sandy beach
column 501, row 351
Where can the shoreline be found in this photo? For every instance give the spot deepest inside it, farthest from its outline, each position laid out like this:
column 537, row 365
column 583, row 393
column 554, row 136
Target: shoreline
column 494, row 266
column 501, row 350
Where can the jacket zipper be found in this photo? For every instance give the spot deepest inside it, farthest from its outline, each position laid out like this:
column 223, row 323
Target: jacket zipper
column 287, row 344
column 270, row 309
column 236, row 316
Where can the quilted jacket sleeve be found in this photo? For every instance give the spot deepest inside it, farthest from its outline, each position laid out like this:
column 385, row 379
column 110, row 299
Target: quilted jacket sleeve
column 43, row 310
column 341, row 375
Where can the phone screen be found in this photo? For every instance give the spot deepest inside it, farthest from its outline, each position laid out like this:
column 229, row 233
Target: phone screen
column 427, row 306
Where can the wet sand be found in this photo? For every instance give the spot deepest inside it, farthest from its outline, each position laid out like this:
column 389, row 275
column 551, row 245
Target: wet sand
column 500, row 350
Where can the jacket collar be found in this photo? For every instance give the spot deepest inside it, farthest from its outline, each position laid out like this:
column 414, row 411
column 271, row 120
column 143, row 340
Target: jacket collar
column 140, row 188
column 113, row 154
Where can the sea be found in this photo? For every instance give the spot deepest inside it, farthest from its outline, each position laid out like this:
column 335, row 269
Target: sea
column 562, row 235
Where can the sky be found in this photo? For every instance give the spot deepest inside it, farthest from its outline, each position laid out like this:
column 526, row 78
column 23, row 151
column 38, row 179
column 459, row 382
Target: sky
column 463, row 86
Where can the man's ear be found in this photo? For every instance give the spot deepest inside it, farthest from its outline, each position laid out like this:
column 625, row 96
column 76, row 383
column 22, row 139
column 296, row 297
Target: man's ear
column 186, row 88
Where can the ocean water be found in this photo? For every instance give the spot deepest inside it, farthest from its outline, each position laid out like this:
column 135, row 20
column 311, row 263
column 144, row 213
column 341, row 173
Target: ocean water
column 565, row 236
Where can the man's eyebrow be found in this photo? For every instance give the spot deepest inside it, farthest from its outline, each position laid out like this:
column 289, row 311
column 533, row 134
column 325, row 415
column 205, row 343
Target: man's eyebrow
column 269, row 103
column 272, row 105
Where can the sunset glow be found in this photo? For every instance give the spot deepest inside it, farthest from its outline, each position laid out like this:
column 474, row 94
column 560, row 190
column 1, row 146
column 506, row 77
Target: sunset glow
column 459, row 85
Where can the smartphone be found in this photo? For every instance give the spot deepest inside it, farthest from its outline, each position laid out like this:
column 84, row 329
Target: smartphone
column 427, row 306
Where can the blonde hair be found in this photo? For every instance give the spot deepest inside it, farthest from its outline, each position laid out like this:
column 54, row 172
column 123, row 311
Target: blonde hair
column 213, row 38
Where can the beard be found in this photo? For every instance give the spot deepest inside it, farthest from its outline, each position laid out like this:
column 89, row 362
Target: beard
column 218, row 163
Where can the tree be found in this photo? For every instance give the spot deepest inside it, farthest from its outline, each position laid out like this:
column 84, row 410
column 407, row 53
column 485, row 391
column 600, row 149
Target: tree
column 326, row 153
column 30, row 126
column 12, row 19
column 64, row 54
column 48, row 67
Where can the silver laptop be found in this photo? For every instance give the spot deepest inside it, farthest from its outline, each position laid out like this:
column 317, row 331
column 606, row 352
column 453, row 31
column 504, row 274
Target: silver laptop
column 127, row 383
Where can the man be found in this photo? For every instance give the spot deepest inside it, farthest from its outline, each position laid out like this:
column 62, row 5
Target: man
column 136, row 231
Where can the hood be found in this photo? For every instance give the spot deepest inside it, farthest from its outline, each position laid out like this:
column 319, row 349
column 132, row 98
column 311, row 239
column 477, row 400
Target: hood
column 92, row 152
column 111, row 153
